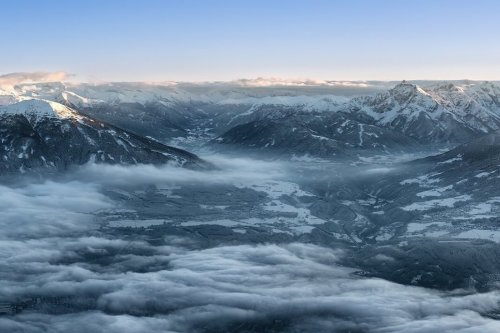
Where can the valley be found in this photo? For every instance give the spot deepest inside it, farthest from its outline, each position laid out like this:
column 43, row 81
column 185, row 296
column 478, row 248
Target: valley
column 175, row 196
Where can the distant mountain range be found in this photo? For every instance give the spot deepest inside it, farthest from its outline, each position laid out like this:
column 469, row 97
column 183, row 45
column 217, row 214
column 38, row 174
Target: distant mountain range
column 397, row 119
column 55, row 124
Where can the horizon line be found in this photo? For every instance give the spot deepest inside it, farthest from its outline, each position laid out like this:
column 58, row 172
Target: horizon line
column 15, row 78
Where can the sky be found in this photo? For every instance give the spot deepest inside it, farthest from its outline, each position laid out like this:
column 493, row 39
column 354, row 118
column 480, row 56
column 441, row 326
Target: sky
column 212, row 40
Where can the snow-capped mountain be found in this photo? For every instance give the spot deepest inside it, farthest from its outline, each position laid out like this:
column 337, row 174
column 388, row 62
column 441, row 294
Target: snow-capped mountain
column 443, row 113
column 402, row 117
column 37, row 109
column 310, row 117
column 44, row 135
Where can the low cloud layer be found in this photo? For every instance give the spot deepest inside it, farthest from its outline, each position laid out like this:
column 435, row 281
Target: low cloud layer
column 49, row 208
column 228, row 171
column 285, row 288
column 68, row 275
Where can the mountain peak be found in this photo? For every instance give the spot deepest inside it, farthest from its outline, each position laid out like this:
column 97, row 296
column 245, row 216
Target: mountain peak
column 39, row 108
column 406, row 90
column 405, row 85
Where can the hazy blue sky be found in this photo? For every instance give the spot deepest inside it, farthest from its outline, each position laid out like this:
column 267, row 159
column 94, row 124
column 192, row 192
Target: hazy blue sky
column 229, row 39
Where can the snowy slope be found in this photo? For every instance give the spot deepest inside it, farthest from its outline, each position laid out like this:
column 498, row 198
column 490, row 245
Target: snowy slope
column 443, row 113
column 37, row 108
column 430, row 112
column 39, row 135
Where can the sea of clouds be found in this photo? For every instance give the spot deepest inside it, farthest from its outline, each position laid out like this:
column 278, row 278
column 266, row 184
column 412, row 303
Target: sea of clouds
column 51, row 246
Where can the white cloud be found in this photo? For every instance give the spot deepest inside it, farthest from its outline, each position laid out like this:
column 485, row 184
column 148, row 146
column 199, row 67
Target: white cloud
column 51, row 247
column 287, row 288
column 227, row 171
column 7, row 81
column 297, row 82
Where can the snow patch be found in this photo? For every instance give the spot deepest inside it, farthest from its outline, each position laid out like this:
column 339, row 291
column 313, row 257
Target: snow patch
column 437, row 203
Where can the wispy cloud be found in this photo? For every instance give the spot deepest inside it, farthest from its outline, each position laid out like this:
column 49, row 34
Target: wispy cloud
column 277, row 81
column 11, row 79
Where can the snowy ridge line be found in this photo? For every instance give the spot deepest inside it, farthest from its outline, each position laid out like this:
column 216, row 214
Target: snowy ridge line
column 39, row 108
